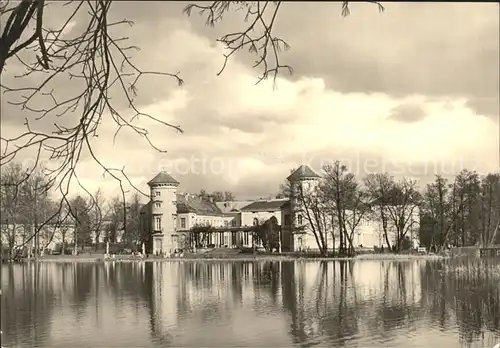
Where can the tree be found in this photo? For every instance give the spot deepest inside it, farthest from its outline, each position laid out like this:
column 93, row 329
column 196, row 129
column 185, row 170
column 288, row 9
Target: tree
column 268, row 233
column 439, row 213
column 58, row 226
column 80, row 211
column 346, row 201
column 131, row 233
column 379, row 186
column 310, row 199
column 284, row 190
column 26, row 206
column 436, row 220
column 97, row 215
column 116, row 215
column 228, row 196
column 490, row 201
column 404, row 204
column 467, row 197
column 462, row 213
column 64, row 228
column 11, row 201
column 395, row 205
column 217, row 196
column 98, row 64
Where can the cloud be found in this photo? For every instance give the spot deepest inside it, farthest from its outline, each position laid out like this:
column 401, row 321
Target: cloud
column 368, row 90
column 407, row 113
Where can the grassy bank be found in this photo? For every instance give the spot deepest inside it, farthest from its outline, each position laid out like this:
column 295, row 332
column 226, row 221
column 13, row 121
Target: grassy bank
column 474, row 268
column 235, row 256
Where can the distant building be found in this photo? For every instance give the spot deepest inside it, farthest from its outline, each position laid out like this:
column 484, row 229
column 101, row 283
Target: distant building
column 167, row 220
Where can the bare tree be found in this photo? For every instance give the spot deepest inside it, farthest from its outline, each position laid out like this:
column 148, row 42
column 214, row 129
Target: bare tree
column 346, row 201
column 11, row 202
column 116, row 217
column 354, row 211
column 131, row 233
column 379, row 186
column 38, row 211
column 97, row 216
column 25, row 204
column 395, row 205
column 404, row 208
column 58, row 226
column 311, row 206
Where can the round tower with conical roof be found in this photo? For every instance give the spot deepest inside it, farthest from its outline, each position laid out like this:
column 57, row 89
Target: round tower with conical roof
column 163, row 189
column 302, row 181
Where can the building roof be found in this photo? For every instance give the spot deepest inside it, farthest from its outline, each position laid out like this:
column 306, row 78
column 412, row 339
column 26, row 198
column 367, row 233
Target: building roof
column 267, row 205
column 163, row 178
column 303, row 172
column 232, row 206
column 190, row 204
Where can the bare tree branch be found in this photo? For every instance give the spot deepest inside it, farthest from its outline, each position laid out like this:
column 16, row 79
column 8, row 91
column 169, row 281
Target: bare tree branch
column 257, row 35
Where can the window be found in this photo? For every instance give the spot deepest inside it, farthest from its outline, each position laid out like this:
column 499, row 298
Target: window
column 299, row 219
column 226, row 223
column 183, row 222
column 157, row 204
column 233, row 222
column 158, row 223
column 245, row 238
column 157, row 193
column 255, row 221
column 287, row 220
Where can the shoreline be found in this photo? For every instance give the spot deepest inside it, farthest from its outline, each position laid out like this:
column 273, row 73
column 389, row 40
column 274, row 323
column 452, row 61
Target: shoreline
column 232, row 258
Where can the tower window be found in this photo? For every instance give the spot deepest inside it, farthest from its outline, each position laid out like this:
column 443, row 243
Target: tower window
column 158, row 205
column 287, row 220
column 158, row 223
column 157, row 193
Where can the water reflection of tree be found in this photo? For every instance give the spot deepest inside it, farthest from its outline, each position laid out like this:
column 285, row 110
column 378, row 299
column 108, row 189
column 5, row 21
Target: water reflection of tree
column 27, row 303
column 338, row 310
column 289, row 295
column 472, row 297
column 266, row 282
column 393, row 314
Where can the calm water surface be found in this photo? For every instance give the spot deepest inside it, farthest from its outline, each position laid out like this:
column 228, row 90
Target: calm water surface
column 248, row 304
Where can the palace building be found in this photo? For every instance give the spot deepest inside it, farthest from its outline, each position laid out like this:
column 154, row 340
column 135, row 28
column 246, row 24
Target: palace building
column 167, row 220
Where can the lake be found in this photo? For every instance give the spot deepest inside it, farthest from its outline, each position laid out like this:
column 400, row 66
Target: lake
column 249, row 304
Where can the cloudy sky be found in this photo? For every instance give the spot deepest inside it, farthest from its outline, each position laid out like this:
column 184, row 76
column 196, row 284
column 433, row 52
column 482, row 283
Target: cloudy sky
column 413, row 91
